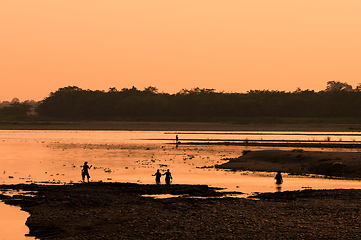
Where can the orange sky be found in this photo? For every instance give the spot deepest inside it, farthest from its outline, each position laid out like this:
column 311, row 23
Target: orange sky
column 231, row 45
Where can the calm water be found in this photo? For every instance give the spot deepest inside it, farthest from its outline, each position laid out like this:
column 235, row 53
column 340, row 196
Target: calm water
column 12, row 223
column 133, row 156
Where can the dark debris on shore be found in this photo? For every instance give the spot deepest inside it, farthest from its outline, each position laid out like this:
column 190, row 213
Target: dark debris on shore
column 119, row 211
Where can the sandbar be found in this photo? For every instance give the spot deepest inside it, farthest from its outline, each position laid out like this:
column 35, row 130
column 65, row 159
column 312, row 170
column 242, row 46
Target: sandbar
column 333, row 164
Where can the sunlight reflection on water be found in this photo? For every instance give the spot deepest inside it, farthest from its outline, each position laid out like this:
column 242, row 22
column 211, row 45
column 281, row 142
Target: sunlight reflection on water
column 12, row 223
column 133, row 156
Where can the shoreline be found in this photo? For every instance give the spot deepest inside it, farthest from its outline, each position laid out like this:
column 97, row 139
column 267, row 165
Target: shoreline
column 99, row 210
column 345, row 165
column 119, row 211
column 285, row 144
column 176, row 126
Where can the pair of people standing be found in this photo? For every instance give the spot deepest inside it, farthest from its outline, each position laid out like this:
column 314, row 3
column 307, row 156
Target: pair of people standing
column 168, row 176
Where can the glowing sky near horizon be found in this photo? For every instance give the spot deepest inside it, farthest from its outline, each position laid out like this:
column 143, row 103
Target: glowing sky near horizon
column 231, row 46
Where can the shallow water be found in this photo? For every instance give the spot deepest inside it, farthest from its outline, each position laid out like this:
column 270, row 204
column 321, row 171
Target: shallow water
column 133, row 156
column 12, row 223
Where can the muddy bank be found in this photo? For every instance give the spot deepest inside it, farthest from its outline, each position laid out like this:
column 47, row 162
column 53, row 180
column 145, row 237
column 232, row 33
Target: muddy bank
column 175, row 126
column 337, row 164
column 118, row 211
column 100, row 210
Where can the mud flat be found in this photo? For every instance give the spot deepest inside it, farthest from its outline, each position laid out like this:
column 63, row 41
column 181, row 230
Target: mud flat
column 334, row 164
column 120, row 211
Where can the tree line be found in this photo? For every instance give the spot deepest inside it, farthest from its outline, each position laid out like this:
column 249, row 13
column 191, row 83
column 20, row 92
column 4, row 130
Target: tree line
column 338, row 100
column 16, row 110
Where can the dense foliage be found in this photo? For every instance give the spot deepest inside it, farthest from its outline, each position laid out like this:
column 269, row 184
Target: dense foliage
column 337, row 101
column 16, row 111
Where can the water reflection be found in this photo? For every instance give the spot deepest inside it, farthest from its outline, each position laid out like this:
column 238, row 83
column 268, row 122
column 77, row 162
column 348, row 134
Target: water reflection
column 12, row 223
column 133, row 156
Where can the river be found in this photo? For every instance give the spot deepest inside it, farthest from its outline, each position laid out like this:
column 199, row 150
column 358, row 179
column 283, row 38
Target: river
column 39, row 156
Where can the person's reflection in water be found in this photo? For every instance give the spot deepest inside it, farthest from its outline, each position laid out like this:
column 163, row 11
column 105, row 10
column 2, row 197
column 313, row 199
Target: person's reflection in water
column 85, row 171
column 157, row 176
column 168, row 177
column 279, row 181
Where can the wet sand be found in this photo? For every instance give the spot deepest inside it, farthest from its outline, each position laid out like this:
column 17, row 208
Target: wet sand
column 118, row 211
column 333, row 164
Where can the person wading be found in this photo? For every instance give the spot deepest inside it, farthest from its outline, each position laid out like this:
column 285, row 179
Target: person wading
column 85, row 171
column 278, row 178
column 157, row 176
column 168, row 177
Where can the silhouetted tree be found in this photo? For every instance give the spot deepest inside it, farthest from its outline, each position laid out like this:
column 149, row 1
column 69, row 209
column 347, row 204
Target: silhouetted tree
column 338, row 86
column 200, row 104
column 16, row 111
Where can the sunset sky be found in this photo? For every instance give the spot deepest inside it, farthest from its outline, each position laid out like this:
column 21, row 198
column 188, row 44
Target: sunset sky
column 228, row 45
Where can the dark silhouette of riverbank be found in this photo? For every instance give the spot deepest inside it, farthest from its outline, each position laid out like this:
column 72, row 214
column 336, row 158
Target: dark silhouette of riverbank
column 119, row 211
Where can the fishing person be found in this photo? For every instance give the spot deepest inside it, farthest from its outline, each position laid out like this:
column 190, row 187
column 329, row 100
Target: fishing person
column 85, row 171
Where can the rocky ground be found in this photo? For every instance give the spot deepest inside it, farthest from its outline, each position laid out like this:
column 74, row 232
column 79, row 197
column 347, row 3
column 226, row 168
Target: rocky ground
column 335, row 164
column 119, row 211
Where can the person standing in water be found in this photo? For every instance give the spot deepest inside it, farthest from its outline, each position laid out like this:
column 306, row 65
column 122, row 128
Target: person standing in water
column 157, row 176
column 278, row 178
column 85, row 171
column 168, row 177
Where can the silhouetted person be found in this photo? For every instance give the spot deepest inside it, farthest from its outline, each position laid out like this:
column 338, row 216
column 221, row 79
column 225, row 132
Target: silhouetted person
column 176, row 139
column 278, row 178
column 157, row 176
column 85, row 172
column 168, row 177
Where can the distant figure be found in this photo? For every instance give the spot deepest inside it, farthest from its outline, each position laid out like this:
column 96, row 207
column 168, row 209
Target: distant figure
column 278, row 178
column 168, row 177
column 176, row 139
column 85, row 172
column 157, row 176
